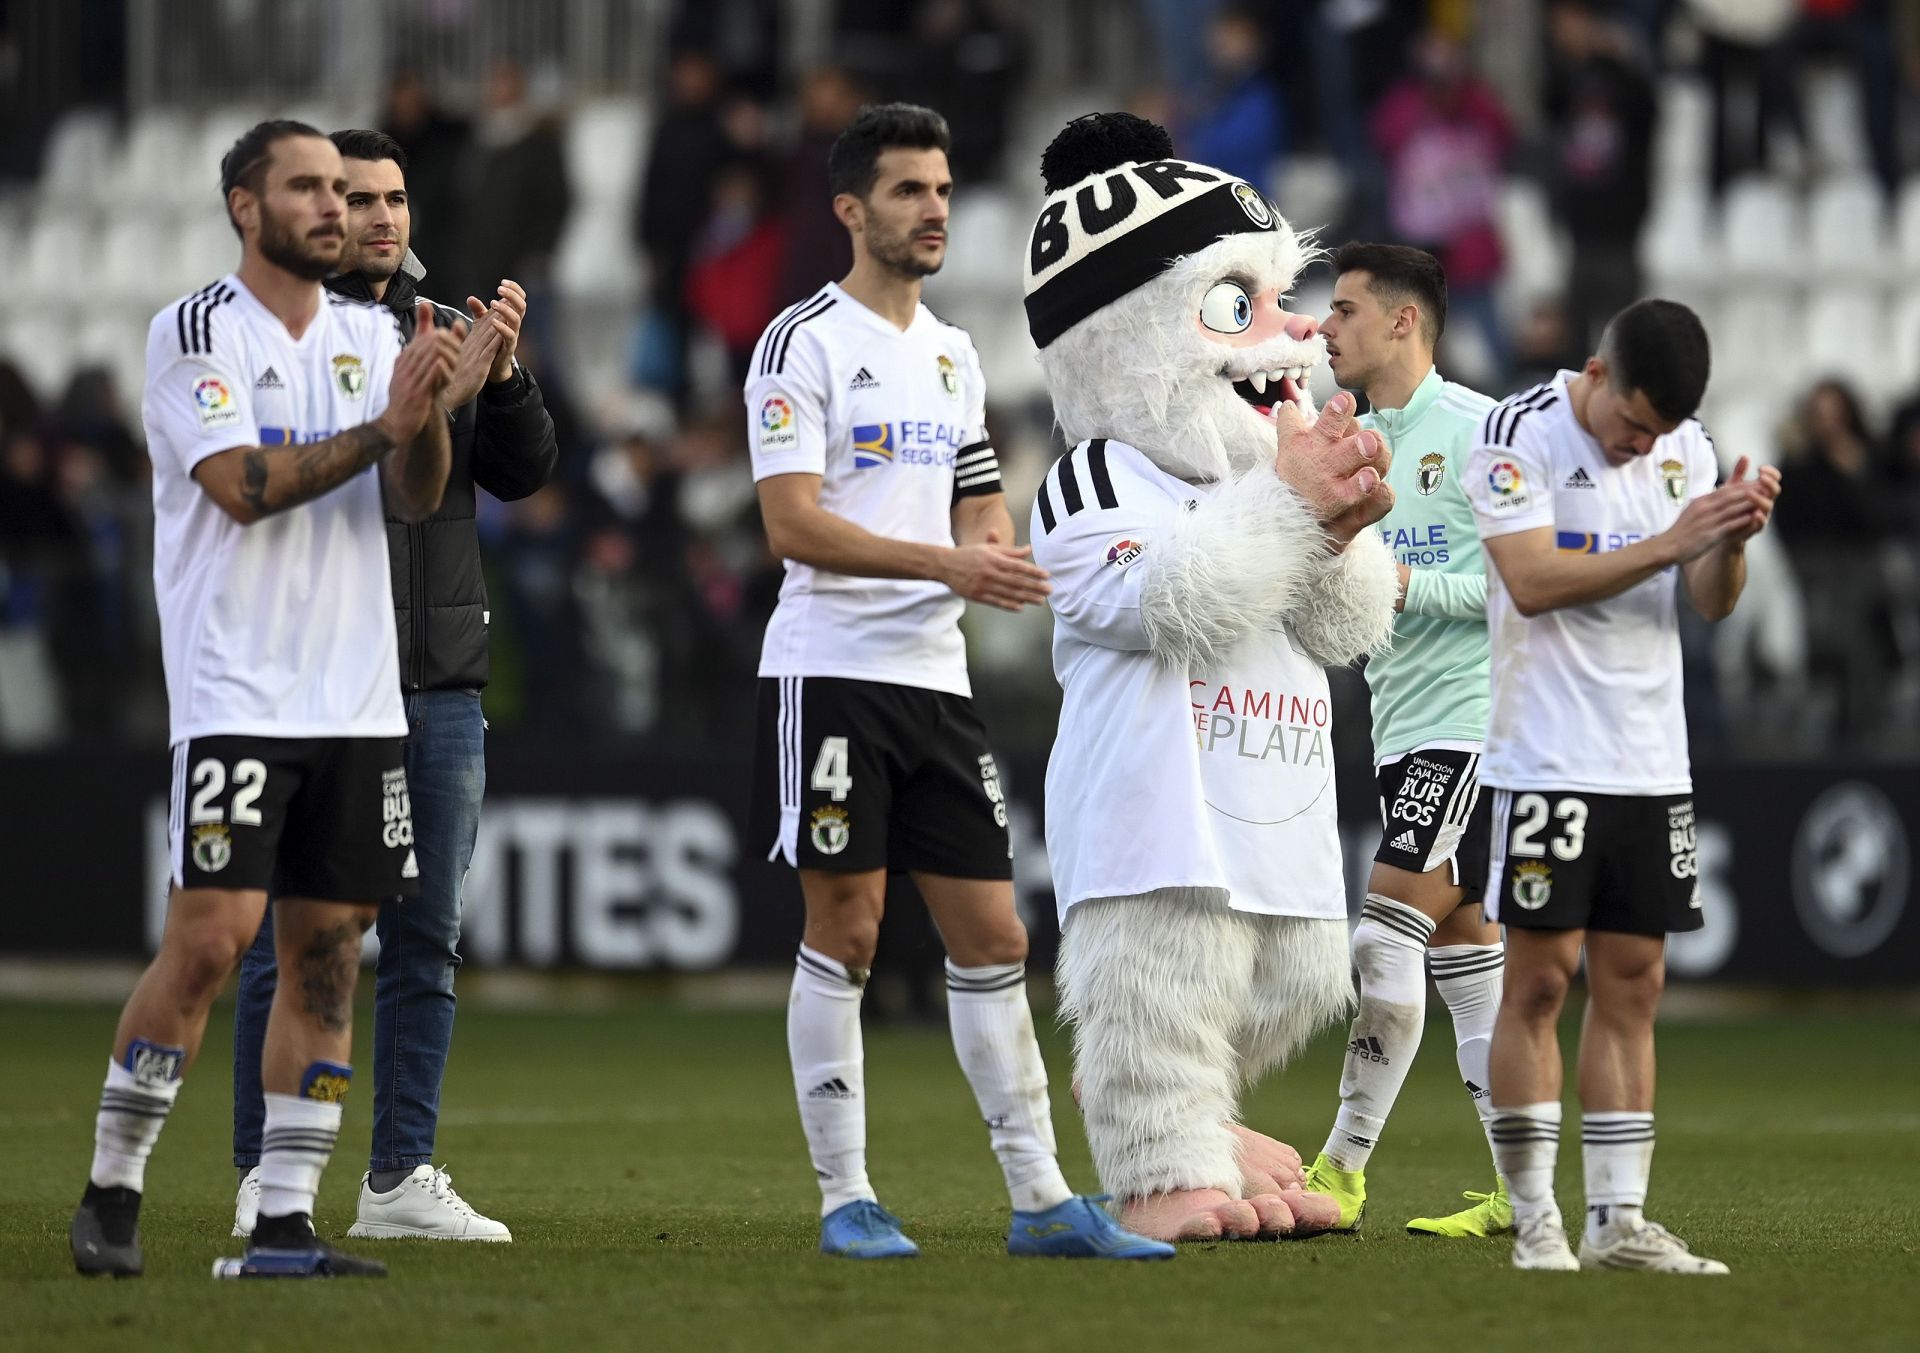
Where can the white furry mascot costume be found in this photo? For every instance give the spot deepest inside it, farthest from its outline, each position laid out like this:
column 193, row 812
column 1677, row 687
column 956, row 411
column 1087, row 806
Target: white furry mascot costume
column 1208, row 557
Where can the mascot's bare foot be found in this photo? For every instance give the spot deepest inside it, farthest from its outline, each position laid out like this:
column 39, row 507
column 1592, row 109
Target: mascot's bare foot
column 1312, row 1212
column 1191, row 1214
column 1266, row 1166
column 1276, row 1218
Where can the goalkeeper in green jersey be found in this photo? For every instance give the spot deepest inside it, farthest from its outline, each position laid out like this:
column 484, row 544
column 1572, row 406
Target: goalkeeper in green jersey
column 1430, row 697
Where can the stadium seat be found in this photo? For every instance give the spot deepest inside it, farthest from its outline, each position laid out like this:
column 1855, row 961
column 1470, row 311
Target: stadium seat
column 1831, row 97
column 38, row 341
column 1311, row 190
column 1907, row 226
column 1847, row 336
column 596, row 260
column 153, row 163
column 1537, row 255
column 80, row 153
column 1904, row 344
column 208, row 250
column 1759, row 335
column 60, row 253
column 212, row 138
column 1763, row 236
column 1678, row 245
column 1682, row 139
column 606, row 150
column 130, row 267
column 1847, row 228
column 982, row 235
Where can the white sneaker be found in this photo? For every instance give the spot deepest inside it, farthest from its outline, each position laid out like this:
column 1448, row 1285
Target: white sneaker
column 1650, row 1247
column 422, row 1206
column 1540, row 1243
column 246, row 1204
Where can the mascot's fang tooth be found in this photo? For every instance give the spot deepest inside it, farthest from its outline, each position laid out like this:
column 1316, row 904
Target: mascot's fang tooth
column 1258, row 380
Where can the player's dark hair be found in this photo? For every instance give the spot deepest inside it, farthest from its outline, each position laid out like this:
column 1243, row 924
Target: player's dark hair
column 853, row 165
column 245, row 165
column 361, row 143
column 1397, row 274
column 1659, row 348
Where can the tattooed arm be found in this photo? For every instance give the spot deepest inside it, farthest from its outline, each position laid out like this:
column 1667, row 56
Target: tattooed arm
column 251, row 482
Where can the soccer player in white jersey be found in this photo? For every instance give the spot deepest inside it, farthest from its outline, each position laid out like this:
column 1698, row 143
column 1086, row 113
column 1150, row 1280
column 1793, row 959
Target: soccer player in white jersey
column 1429, row 721
column 880, row 489
column 276, row 416
column 1596, row 502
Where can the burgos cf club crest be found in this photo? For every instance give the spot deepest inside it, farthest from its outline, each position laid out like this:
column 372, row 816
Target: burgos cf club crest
column 1253, row 204
column 1433, row 469
column 212, row 848
column 350, row 374
column 830, row 830
column 949, row 376
column 1676, row 476
column 1532, row 885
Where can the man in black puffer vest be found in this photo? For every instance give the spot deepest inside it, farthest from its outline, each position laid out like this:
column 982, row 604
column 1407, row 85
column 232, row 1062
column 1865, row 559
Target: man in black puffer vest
column 503, row 442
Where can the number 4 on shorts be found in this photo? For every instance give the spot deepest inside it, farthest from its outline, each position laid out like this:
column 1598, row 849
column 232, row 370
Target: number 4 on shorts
column 830, row 768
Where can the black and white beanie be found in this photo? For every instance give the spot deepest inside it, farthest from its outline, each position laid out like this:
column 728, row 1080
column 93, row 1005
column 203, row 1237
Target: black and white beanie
column 1119, row 211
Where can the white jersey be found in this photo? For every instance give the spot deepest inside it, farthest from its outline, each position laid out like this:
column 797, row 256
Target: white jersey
column 894, row 423
column 1164, row 778
column 283, row 628
column 1584, row 697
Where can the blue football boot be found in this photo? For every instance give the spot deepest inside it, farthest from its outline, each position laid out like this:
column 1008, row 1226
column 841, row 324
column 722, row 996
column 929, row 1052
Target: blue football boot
column 864, row 1230
column 1079, row 1229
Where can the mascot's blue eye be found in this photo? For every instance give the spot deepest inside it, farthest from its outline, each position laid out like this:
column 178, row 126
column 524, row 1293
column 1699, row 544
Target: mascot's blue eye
column 1226, row 308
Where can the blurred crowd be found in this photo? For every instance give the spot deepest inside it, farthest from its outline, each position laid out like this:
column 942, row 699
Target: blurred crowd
column 629, row 597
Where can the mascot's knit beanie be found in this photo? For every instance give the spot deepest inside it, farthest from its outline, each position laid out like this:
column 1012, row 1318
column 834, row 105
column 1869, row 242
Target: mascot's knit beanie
column 1119, row 211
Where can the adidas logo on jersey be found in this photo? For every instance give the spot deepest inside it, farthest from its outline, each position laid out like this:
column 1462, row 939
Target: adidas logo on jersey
column 1579, row 479
column 1404, row 841
column 863, row 380
column 269, row 380
column 833, row 1089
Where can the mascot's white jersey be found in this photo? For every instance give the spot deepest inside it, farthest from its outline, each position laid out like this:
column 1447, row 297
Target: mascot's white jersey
column 1160, row 777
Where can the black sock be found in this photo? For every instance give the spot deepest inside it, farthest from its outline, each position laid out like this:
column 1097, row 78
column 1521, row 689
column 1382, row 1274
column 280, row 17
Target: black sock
column 291, row 1232
column 386, row 1181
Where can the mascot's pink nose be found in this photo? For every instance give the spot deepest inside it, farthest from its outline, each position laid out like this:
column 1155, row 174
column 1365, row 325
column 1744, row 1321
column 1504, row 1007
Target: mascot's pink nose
column 1301, row 327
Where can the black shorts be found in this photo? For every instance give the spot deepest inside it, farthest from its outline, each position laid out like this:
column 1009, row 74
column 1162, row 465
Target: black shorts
column 858, row 775
column 323, row 818
column 1432, row 813
column 1578, row 861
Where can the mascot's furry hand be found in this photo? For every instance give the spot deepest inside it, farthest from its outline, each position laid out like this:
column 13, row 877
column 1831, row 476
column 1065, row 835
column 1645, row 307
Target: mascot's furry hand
column 1338, row 469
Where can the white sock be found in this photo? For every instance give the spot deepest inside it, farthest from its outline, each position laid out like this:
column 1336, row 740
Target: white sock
column 1526, row 1143
column 295, row 1145
column 133, row 1108
column 1617, row 1150
column 829, row 1074
column 993, row 1035
column 1469, row 978
column 1388, row 948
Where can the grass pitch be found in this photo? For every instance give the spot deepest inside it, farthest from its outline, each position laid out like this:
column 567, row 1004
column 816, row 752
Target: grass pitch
column 650, row 1162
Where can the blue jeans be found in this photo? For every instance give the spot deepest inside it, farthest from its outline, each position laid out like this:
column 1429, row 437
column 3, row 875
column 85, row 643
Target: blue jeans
column 419, row 938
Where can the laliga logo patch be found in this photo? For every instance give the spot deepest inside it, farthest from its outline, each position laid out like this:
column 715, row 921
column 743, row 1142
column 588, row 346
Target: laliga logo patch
column 777, row 424
column 1676, row 476
column 830, row 830
column 212, row 848
column 1532, row 885
column 1254, row 205
column 350, row 375
column 1509, row 487
column 1123, row 551
column 949, row 377
column 1433, row 468
column 214, row 402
